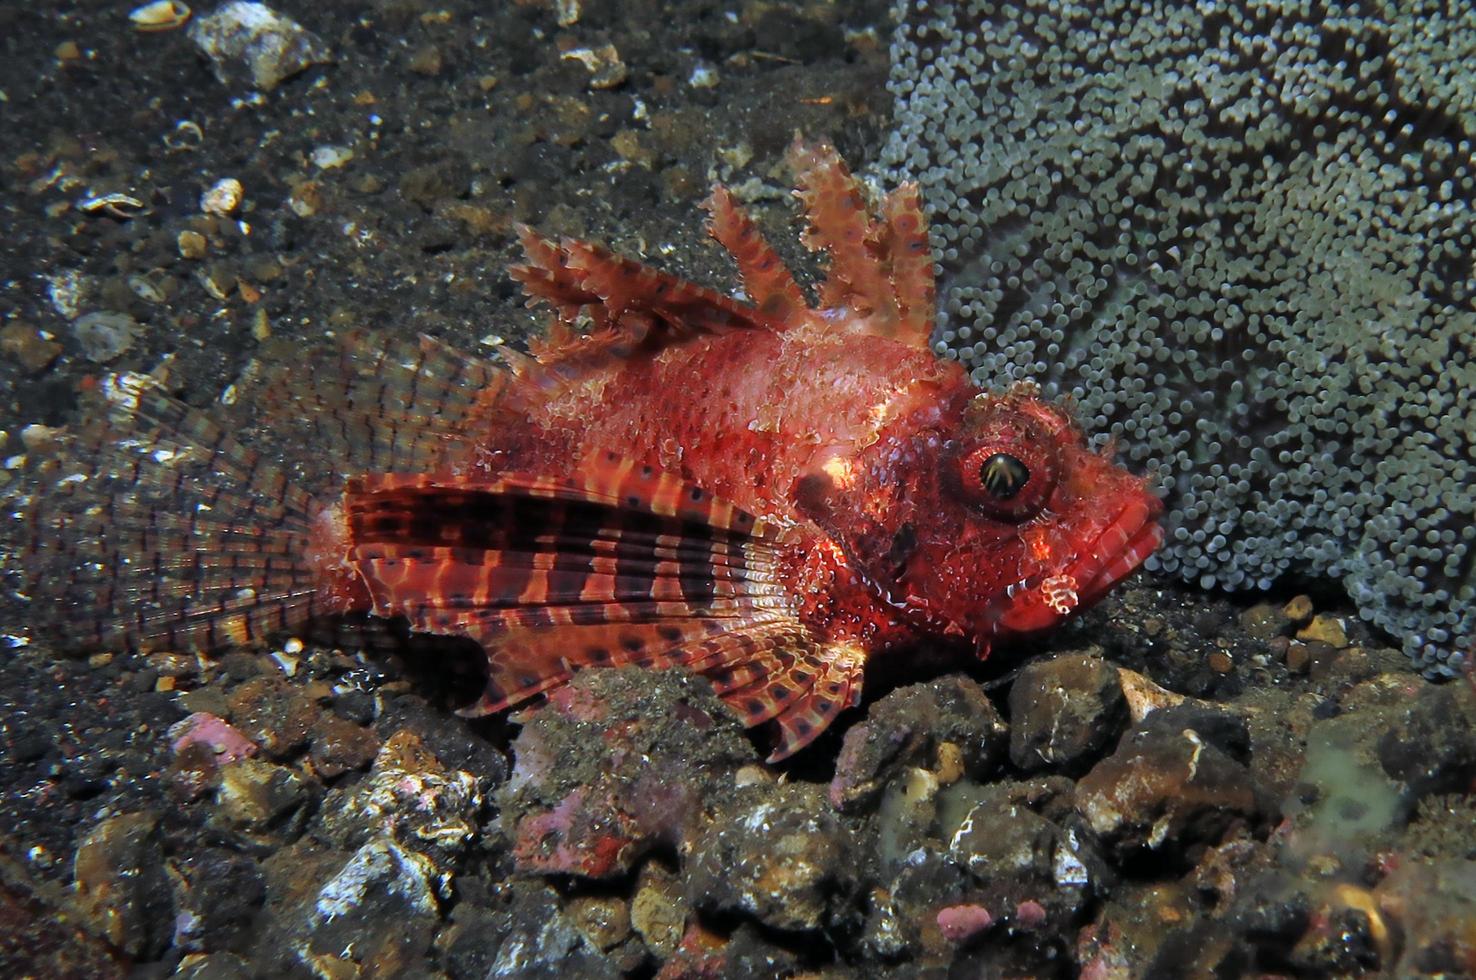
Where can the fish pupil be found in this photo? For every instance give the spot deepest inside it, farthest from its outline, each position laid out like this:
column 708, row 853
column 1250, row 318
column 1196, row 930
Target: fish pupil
column 1003, row 475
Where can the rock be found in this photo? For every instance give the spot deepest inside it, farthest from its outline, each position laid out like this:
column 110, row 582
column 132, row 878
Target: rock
column 217, row 894
column 530, row 938
column 411, row 796
column 1432, row 745
column 122, row 891
column 226, row 745
column 377, row 915
column 778, row 854
column 1325, row 629
column 947, row 726
column 339, row 746
column 617, row 763
column 24, row 343
column 605, row 921
column 273, row 714
column 657, row 911
column 1173, row 783
column 251, row 44
column 1023, row 868
column 1266, row 620
column 257, row 796
column 747, row 952
column 1065, row 713
column 105, row 336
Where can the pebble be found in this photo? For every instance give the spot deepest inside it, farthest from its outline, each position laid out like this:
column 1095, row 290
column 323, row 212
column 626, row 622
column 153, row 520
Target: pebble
column 1175, row 781
column 778, row 855
column 255, row 795
column 1065, row 713
column 25, row 344
column 250, row 44
column 376, row 917
column 105, row 336
column 121, row 888
column 948, row 725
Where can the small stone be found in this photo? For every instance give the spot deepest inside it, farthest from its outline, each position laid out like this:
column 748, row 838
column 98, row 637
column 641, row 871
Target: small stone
column 657, row 912
column 251, row 44
column 192, row 245
column 604, row 919
column 1264, row 620
column 105, row 336
column 330, row 156
column 781, row 856
column 1173, row 783
column 223, row 197
column 376, row 917
column 605, row 68
column 627, row 143
column 217, row 894
column 226, row 745
column 1431, row 747
column 906, row 729
column 253, row 794
column 274, row 714
column 410, row 794
column 1065, row 713
column 1326, row 629
column 1298, row 610
column 339, row 746
column 427, row 60
column 24, row 344
column 121, row 887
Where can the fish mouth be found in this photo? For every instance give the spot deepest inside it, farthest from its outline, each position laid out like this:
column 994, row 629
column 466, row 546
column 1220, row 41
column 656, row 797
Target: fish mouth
column 1119, row 548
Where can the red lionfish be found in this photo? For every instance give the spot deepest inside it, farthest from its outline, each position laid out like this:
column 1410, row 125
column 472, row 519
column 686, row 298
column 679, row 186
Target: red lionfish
column 769, row 493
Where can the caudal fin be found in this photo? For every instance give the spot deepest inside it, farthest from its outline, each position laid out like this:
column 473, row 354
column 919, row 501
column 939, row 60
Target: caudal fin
column 157, row 528
column 163, row 526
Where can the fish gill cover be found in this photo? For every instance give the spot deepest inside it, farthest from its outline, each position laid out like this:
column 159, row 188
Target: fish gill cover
column 1240, row 235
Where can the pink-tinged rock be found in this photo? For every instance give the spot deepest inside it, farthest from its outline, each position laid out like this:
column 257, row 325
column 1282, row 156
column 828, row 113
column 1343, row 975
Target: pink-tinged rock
column 215, row 733
column 960, row 923
column 1030, row 914
column 593, row 838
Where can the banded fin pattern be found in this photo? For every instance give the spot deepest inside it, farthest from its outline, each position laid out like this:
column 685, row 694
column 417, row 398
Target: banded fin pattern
column 159, row 529
column 160, row 525
column 882, row 270
column 619, row 564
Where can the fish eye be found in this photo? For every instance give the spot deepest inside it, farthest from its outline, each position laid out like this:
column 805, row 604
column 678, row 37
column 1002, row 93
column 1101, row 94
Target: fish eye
column 1003, row 475
column 1009, row 477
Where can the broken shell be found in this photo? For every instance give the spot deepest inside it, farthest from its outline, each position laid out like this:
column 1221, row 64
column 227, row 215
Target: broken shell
column 187, row 135
column 161, row 15
column 605, row 68
column 223, row 198
column 117, row 205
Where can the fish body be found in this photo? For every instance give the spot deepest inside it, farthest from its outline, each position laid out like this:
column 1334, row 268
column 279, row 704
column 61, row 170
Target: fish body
column 769, row 492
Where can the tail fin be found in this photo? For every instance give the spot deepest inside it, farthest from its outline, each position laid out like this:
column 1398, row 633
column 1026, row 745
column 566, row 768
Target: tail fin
column 159, row 529
column 162, row 526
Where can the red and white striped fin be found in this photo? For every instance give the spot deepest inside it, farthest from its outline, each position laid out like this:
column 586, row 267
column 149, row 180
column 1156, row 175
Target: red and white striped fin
column 619, row 564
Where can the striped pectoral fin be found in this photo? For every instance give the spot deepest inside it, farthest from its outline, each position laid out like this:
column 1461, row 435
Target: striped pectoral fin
column 616, row 564
column 802, row 689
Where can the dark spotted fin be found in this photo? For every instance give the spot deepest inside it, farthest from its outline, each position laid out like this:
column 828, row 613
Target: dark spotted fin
column 620, row 564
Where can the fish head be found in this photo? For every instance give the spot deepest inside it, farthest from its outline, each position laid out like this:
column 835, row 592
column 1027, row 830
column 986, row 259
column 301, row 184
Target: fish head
column 994, row 517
